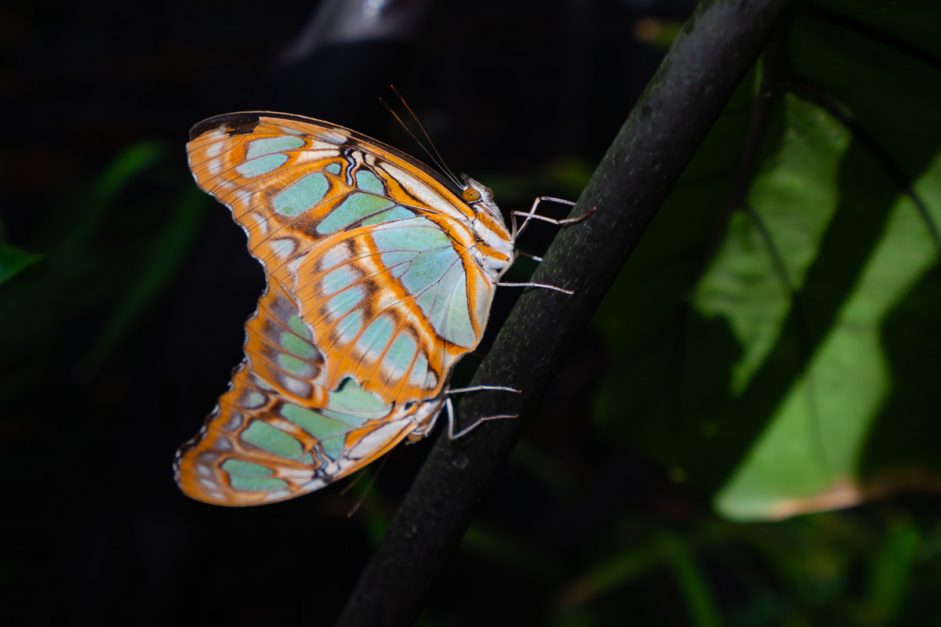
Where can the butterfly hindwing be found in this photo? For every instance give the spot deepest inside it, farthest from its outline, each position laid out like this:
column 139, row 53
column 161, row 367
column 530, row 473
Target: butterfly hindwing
column 277, row 433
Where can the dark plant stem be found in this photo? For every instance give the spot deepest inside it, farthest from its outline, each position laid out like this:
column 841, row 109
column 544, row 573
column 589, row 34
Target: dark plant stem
column 774, row 65
column 696, row 79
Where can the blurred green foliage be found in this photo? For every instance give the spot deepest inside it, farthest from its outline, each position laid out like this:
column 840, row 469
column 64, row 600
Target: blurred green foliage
column 14, row 260
column 109, row 250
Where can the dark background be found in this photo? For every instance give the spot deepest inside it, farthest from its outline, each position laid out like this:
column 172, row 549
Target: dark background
column 118, row 342
column 508, row 91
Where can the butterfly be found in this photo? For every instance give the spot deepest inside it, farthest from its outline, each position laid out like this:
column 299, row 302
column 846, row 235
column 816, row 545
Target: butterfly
column 379, row 275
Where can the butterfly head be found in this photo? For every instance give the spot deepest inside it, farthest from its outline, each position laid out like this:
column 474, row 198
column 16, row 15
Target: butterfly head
column 494, row 251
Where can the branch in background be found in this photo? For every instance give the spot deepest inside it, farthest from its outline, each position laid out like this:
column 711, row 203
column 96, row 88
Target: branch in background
column 669, row 122
column 893, row 168
column 773, row 66
column 866, row 30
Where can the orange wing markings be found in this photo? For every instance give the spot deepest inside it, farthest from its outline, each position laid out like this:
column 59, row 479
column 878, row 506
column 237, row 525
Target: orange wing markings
column 405, row 307
column 321, row 135
column 374, row 280
column 249, row 452
column 399, row 303
column 303, row 229
column 305, row 223
column 310, row 445
column 200, row 471
column 350, row 360
column 235, row 151
column 402, row 392
column 322, row 131
column 463, row 240
column 439, row 356
column 475, row 281
column 337, row 192
column 198, row 149
column 398, row 191
column 240, row 193
column 257, row 223
column 297, row 258
column 279, row 291
column 199, row 467
column 262, row 362
column 357, row 436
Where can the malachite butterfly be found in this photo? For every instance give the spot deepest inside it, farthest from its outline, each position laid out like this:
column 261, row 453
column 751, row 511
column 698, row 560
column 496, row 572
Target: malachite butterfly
column 379, row 278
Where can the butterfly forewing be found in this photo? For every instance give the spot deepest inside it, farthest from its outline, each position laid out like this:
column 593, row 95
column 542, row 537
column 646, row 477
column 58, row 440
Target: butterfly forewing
column 372, row 295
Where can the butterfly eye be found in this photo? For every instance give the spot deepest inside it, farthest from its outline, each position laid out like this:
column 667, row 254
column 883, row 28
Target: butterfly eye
column 469, row 194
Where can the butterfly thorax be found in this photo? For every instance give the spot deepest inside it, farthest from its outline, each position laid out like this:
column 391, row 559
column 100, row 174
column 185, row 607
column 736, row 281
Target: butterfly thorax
column 494, row 250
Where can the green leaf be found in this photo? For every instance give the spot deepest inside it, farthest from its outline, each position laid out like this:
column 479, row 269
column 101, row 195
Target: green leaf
column 691, row 581
column 14, row 260
column 158, row 264
column 782, row 336
column 75, row 228
column 110, row 250
column 891, row 570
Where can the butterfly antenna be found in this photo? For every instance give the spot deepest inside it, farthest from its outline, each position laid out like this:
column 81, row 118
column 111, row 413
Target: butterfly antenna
column 433, row 158
column 444, row 165
column 362, row 497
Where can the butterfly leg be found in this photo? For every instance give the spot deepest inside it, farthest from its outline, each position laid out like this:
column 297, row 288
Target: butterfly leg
column 373, row 475
column 516, row 228
column 449, row 406
column 535, row 258
column 544, row 286
column 479, row 388
column 532, row 215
